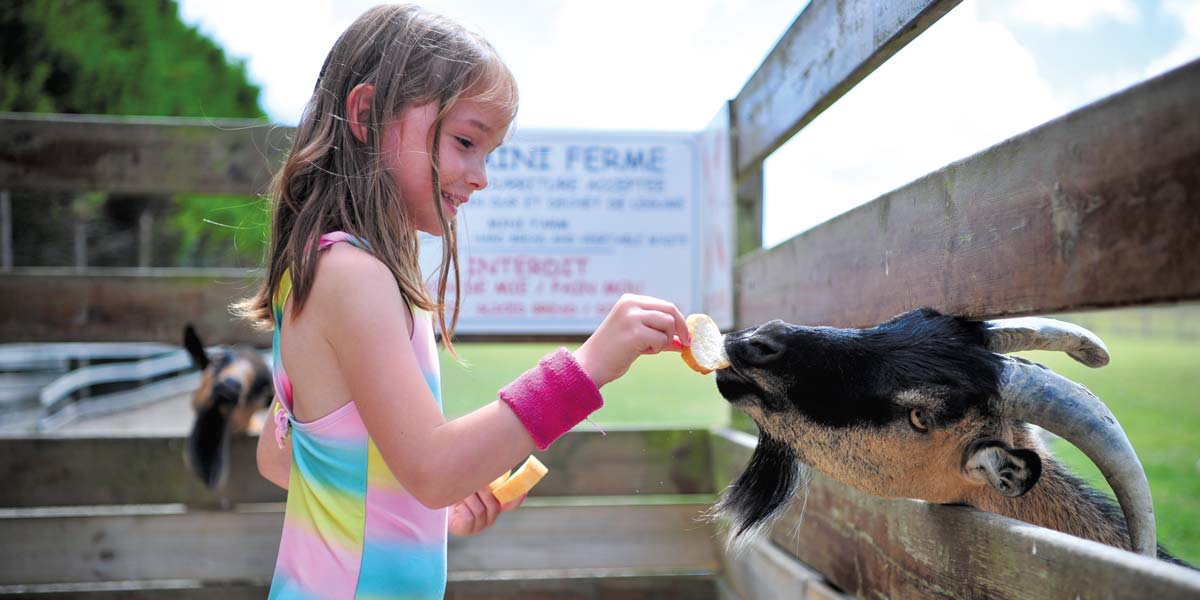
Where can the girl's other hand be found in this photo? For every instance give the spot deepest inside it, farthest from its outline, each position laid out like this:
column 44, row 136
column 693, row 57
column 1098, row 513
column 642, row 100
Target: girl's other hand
column 636, row 325
column 478, row 512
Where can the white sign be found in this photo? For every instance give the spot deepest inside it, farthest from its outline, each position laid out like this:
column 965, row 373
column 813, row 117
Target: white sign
column 570, row 221
column 717, row 220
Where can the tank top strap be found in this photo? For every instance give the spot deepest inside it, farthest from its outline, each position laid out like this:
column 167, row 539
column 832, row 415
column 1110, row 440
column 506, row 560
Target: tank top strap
column 334, row 237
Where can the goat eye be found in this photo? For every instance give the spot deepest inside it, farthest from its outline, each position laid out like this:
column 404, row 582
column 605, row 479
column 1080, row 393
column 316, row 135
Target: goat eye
column 919, row 420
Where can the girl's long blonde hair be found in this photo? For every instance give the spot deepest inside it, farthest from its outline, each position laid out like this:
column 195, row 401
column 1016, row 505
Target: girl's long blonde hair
column 331, row 181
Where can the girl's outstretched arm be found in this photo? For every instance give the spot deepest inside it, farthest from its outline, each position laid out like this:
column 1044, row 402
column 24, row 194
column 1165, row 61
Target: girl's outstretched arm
column 364, row 319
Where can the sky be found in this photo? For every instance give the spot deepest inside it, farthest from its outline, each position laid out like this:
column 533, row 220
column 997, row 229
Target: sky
column 987, row 71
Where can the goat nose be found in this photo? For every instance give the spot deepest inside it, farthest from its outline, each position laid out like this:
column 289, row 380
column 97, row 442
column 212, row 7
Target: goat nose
column 765, row 345
column 227, row 391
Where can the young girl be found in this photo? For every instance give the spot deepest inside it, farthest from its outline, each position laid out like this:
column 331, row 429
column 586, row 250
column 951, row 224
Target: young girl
column 392, row 142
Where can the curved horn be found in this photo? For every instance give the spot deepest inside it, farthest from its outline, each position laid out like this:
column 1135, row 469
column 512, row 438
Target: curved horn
column 1039, row 333
column 1035, row 394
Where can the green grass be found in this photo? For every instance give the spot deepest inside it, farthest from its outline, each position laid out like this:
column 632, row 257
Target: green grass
column 658, row 391
column 1152, row 386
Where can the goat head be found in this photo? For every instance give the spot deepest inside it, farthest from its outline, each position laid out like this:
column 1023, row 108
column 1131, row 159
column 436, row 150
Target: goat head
column 235, row 383
column 922, row 406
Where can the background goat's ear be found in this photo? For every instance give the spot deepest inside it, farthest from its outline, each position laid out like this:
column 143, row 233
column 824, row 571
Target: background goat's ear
column 192, row 343
column 1009, row 471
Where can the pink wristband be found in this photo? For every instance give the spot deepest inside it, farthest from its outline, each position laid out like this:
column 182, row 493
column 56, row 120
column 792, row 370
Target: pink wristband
column 552, row 397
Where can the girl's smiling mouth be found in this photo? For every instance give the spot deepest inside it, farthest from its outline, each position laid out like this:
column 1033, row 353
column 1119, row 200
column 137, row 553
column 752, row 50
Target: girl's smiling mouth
column 452, row 202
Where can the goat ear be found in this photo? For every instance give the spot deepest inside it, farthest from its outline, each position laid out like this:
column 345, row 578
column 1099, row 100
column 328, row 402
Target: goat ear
column 1009, row 471
column 192, row 343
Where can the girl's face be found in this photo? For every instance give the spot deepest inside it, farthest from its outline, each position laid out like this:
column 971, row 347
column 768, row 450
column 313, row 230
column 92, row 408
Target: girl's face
column 470, row 131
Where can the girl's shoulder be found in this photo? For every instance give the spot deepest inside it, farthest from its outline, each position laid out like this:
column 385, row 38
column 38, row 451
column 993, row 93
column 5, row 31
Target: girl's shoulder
column 351, row 284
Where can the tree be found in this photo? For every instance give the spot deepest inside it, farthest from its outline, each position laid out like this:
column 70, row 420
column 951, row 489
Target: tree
column 127, row 57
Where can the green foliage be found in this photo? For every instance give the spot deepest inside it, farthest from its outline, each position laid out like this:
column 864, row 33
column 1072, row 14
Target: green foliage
column 221, row 231
column 129, row 57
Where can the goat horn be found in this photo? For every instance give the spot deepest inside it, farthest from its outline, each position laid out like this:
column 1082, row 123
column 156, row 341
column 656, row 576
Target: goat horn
column 1039, row 333
column 1035, row 394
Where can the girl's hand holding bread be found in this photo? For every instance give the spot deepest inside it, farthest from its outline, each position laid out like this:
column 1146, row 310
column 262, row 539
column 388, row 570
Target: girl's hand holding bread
column 636, row 325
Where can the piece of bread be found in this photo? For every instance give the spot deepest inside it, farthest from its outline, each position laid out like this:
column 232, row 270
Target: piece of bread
column 707, row 352
column 520, row 482
column 499, row 481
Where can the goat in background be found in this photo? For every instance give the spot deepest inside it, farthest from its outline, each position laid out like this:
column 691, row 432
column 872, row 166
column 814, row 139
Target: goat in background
column 235, row 385
column 926, row 406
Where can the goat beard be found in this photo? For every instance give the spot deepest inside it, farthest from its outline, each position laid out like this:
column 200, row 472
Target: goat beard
column 761, row 493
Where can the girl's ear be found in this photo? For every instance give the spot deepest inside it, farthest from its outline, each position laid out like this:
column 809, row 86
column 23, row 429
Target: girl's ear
column 358, row 109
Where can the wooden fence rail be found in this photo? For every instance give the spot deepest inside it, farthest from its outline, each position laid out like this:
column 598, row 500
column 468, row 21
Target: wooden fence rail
column 111, row 305
column 1098, row 208
column 887, row 548
column 618, row 516
column 87, row 153
column 62, row 471
column 830, row 47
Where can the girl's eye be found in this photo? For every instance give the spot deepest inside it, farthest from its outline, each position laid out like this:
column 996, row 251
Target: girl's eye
column 919, row 419
column 465, row 142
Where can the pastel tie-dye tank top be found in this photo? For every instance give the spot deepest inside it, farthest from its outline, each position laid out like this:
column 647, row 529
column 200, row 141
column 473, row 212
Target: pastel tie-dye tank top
column 350, row 529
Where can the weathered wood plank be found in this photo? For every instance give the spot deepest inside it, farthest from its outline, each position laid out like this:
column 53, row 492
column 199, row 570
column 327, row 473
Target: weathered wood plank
column 164, row 542
column 591, row 586
column 665, row 587
column 86, row 153
column 832, row 45
column 73, row 471
column 584, row 463
column 1098, row 208
column 70, row 471
column 763, row 570
column 875, row 547
column 144, row 305
column 661, row 537
column 52, row 305
column 168, row 542
column 140, row 590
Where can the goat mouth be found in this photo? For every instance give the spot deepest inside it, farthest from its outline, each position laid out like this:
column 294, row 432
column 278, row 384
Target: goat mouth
column 735, row 387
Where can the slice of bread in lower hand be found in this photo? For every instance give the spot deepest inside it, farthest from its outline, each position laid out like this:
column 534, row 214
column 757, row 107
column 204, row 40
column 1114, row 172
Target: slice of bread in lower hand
column 520, row 482
column 707, row 352
column 499, row 481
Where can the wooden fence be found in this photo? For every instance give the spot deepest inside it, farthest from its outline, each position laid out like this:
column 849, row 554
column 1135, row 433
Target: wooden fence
column 97, row 517
column 1098, row 208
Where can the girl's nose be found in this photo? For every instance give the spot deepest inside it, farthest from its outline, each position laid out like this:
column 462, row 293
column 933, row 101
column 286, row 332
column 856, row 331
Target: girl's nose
column 477, row 175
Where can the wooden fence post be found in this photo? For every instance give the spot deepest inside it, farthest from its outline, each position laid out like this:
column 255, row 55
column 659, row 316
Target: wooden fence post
column 748, row 228
column 145, row 238
column 6, row 251
column 80, row 243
